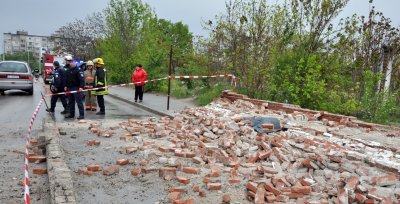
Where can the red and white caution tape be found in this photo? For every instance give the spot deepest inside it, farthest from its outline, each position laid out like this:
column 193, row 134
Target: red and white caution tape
column 27, row 198
column 147, row 81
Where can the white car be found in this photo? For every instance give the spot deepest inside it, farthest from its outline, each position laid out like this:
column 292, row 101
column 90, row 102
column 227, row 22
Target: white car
column 15, row 75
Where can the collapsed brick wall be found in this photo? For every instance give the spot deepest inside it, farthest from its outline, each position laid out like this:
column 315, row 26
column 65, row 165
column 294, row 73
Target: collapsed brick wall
column 350, row 121
column 213, row 149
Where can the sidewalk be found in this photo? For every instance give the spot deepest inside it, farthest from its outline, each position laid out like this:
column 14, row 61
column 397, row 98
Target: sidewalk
column 155, row 103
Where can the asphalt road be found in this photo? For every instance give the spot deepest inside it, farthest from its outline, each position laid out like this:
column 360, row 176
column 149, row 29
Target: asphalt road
column 16, row 108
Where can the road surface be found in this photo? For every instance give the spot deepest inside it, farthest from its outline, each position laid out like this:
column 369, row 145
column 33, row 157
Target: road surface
column 16, row 108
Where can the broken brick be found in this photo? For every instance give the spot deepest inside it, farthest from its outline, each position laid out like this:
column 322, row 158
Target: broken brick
column 164, row 171
column 39, row 171
column 183, row 179
column 94, row 167
column 272, row 189
column 173, row 196
column 36, row 159
column 122, row 162
column 135, row 172
column 214, row 186
column 226, row 198
column 111, row 170
column 191, row 170
column 301, row 189
column 252, row 186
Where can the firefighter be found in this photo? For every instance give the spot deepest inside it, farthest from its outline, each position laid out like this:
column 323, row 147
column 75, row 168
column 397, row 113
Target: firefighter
column 100, row 81
column 75, row 82
column 139, row 77
column 57, row 86
column 90, row 99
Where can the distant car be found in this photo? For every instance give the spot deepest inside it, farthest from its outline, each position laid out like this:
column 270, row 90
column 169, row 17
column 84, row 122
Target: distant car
column 15, row 75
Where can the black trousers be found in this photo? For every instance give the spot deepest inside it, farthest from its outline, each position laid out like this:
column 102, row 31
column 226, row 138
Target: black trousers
column 75, row 97
column 54, row 100
column 139, row 92
column 100, row 101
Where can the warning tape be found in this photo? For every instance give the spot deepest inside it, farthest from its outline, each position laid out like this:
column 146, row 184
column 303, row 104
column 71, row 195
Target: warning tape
column 27, row 197
column 147, row 81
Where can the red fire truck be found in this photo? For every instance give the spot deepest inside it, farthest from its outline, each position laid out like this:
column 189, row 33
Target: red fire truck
column 48, row 68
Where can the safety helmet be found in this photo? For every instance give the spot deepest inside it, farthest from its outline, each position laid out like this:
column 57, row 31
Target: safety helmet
column 68, row 58
column 99, row 61
column 90, row 62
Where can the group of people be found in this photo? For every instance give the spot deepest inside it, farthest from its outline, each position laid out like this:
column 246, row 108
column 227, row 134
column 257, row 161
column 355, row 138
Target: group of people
column 74, row 78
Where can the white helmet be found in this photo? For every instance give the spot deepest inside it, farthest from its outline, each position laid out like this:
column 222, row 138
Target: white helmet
column 68, row 58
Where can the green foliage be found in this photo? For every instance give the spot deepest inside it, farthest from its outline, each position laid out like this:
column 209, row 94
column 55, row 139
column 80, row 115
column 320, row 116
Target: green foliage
column 208, row 94
column 23, row 56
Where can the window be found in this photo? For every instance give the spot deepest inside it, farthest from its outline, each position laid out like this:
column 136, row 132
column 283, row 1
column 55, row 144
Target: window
column 13, row 67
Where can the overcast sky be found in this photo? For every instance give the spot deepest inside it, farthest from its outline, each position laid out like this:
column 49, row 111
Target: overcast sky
column 43, row 17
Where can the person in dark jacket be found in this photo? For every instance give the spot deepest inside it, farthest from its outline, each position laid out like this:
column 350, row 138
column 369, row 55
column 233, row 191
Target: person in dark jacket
column 75, row 82
column 100, row 81
column 57, row 86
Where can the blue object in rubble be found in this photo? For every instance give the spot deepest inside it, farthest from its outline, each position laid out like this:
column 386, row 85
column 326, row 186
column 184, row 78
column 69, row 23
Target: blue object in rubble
column 258, row 121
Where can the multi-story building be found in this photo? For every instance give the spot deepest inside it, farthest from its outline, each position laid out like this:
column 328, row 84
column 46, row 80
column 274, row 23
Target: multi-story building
column 35, row 44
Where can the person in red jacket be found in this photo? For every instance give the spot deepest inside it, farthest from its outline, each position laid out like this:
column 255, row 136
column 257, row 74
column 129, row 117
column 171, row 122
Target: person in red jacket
column 139, row 77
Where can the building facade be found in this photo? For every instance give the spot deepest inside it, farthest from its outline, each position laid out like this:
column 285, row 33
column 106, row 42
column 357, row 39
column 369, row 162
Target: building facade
column 21, row 41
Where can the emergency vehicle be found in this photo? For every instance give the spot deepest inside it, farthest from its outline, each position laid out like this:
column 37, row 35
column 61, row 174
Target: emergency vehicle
column 48, row 68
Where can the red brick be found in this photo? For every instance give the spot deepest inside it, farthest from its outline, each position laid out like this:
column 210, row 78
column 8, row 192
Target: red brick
column 253, row 158
column 352, row 182
column 226, row 198
column 270, row 198
column 94, row 167
column 265, row 146
column 173, row 196
column 36, row 159
column 265, row 155
column 34, row 142
column 191, row 170
column 136, row 172
column 186, row 201
column 177, row 189
column 215, row 172
column 251, row 186
column 234, row 180
column 202, row 194
column 272, row 189
column 111, row 170
column 369, row 201
column 309, row 164
column 167, row 171
column 301, row 189
column 183, row 179
column 39, row 171
column 360, row 198
column 282, row 198
column 206, row 180
column 122, row 162
column 267, row 126
column 387, row 180
column 294, row 195
column 90, row 173
column 196, row 189
column 197, row 160
column 214, row 186
column 260, row 195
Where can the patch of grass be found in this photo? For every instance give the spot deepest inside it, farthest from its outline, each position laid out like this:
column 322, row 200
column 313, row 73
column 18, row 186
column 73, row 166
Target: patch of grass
column 208, row 94
column 178, row 89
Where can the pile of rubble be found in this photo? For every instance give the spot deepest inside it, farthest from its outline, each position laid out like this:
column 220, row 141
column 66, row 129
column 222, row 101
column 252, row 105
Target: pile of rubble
column 309, row 160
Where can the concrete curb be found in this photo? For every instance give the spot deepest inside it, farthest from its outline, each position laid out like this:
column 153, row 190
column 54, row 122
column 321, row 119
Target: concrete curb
column 115, row 96
column 60, row 179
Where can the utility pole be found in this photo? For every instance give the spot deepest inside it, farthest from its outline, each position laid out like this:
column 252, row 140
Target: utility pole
column 4, row 49
column 169, row 76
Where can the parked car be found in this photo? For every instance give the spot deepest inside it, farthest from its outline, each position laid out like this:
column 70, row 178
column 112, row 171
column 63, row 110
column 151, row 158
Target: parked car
column 15, row 75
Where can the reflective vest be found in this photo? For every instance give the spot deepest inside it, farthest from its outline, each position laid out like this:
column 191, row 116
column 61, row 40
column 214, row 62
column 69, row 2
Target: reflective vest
column 99, row 84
